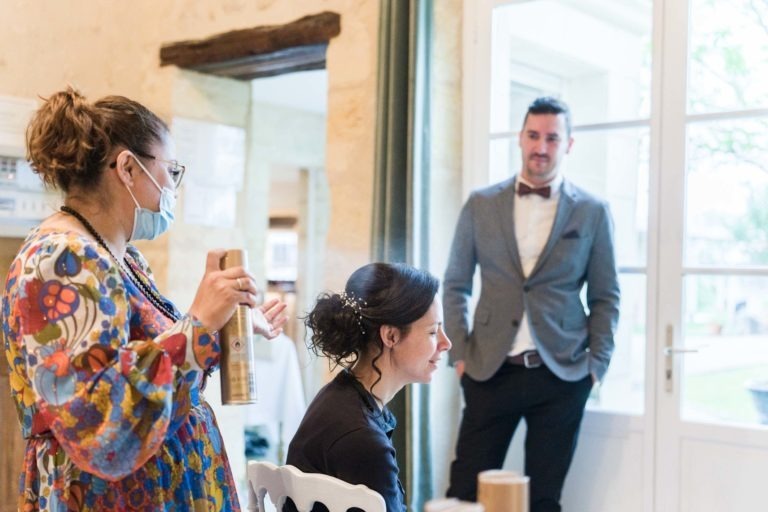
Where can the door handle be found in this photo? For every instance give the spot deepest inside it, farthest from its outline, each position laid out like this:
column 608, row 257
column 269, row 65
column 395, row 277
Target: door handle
column 669, row 351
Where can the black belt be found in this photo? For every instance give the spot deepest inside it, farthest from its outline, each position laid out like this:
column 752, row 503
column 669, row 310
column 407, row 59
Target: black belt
column 530, row 359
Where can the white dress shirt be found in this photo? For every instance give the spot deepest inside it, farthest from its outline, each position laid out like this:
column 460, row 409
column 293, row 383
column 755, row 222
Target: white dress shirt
column 533, row 216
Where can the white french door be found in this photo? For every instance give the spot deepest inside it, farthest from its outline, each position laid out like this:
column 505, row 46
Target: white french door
column 670, row 105
column 712, row 329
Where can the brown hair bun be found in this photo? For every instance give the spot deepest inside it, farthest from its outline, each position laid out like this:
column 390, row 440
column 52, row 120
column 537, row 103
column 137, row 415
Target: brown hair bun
column 70, row 139
column 65, row 140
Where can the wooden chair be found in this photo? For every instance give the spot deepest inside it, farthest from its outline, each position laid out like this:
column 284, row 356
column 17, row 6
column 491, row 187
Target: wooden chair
column 306, row 489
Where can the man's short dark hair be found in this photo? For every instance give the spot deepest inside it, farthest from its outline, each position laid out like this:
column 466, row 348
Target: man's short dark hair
column 550, row 105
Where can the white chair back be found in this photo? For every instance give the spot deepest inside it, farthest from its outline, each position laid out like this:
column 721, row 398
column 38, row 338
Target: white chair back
column 306, row 489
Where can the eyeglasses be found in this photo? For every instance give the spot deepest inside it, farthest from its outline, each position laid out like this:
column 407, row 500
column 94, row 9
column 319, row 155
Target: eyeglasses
column 175, row 169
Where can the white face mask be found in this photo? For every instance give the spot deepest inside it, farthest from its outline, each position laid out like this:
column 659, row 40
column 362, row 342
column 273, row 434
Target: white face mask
column 148, row 225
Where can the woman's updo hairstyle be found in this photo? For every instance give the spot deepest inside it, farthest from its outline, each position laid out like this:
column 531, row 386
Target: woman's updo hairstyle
column 345, row 326
column 70, row 139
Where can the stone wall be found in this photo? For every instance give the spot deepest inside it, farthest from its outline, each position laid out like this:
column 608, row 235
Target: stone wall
column 113, row 48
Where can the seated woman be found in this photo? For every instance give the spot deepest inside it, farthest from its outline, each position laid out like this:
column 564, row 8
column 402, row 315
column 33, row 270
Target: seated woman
column 386, row 331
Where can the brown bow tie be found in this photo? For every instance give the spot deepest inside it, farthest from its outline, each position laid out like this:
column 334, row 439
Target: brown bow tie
column 524, row 190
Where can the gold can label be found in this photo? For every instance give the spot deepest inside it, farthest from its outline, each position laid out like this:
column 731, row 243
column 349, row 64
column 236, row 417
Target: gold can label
column 238, row 365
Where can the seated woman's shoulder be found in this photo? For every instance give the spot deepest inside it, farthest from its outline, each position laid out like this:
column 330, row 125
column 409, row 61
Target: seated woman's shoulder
column 363, row 442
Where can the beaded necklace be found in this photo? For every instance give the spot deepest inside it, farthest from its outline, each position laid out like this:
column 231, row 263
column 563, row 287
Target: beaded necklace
column 145, row 290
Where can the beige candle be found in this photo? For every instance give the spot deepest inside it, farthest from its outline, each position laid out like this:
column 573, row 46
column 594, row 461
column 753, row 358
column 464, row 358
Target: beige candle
column 502, row 491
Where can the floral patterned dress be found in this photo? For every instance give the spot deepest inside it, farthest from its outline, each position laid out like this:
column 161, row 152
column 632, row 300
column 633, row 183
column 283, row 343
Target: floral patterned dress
column 107, row 388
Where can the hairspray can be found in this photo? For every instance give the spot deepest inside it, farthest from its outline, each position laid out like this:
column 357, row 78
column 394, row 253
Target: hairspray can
column 238, row 364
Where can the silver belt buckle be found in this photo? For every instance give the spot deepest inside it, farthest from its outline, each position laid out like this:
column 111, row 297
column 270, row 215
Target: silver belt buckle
column 527, row 362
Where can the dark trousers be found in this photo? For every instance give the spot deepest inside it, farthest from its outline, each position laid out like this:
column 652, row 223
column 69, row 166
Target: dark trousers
column 552, row 408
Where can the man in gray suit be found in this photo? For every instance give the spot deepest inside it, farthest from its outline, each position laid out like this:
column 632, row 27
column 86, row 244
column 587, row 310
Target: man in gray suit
column 531, row 351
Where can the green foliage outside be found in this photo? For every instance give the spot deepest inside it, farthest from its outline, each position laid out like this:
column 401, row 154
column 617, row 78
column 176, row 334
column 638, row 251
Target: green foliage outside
column 723, row 395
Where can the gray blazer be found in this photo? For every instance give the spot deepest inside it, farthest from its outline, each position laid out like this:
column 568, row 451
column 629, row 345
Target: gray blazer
column 572, row 342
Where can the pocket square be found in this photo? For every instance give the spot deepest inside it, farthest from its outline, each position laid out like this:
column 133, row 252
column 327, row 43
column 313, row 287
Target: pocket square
column 571, row 234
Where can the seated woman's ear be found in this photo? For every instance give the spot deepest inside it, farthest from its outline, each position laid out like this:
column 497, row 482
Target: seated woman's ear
column 390, row 335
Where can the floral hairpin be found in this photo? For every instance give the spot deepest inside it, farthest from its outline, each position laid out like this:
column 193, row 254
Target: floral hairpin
column 356, row 304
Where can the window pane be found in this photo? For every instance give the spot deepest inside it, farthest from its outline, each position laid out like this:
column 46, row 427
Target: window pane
column 728, row 55
column 568, row 57
column 727, row 193
column 725, row 320
column 614, row 165
column 622, row 389
column 610, row 164
column 282, row 255
column 504, row 159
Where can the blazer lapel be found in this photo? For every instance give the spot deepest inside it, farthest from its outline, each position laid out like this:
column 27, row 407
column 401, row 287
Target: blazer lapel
column 564, row 208
column 506, row 209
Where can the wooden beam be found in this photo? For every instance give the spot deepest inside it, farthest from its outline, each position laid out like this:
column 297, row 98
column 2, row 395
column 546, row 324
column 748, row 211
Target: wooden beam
column 260, row 51
column 299, row 58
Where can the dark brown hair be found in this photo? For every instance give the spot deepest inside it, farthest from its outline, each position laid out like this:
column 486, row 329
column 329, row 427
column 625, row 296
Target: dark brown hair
column 346, row 326
column 70, row 139
column 550, row 105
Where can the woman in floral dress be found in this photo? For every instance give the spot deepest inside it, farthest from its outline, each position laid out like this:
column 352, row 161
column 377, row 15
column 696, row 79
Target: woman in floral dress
column 105, row 372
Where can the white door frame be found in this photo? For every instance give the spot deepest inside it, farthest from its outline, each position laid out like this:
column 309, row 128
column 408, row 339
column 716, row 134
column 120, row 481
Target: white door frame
column 671, row 56
column 672, row 430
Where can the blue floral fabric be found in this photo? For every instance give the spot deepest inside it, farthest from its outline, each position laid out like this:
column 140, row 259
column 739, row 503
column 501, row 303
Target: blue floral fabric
column 107, row 389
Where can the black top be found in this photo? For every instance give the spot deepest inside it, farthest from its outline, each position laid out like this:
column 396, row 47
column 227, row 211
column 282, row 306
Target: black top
column 345, row 435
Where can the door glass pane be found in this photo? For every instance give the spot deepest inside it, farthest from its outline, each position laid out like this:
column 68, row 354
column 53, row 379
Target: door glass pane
column 613, row 165
column 726, row 212
column 610, row 164
column 726, row 209
column 728, row 55
column 568, row 57
column 725, row 321
column 622, row 389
